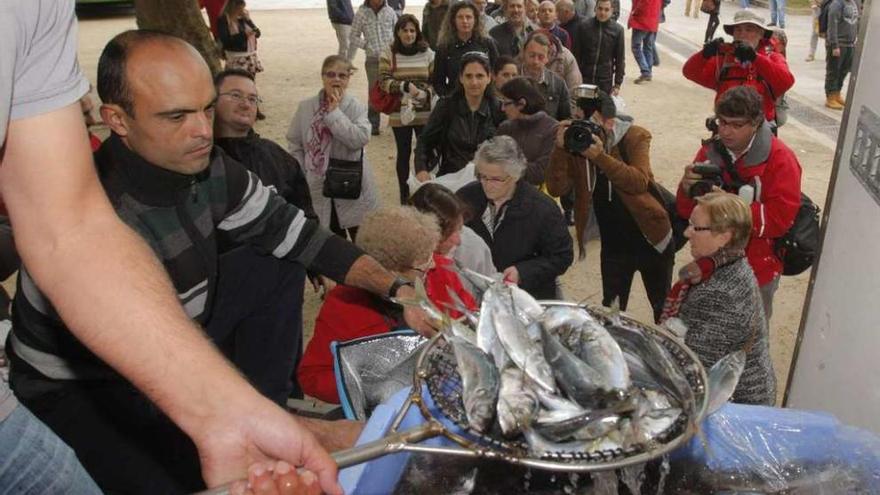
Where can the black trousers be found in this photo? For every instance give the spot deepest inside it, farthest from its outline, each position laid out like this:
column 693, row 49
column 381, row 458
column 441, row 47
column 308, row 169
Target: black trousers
column 619, row 267
column 403, row 137
column 837, row 68
column 125, row 442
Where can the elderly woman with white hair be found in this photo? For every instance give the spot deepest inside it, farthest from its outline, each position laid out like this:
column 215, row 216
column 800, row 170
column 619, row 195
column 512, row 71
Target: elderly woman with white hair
column 523, row 227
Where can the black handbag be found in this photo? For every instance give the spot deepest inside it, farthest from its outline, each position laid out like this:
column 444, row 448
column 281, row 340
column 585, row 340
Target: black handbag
column 799, row 246
column 667, row 200
column 344, row 178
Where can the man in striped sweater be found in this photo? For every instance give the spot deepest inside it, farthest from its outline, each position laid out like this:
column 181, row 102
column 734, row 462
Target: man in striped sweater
column 169, row 183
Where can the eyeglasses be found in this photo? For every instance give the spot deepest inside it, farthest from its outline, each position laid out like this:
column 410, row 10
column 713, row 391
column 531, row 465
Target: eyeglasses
column 736, row 124
column 337, row 75
column 494, row 180
column 698, row 229
column 235, row 95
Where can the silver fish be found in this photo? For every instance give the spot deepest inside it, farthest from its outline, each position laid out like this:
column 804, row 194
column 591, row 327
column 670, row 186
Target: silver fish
column 588, row 425
column 555, row 403
column 441, row 320
column 525, row 307
column 723, row 378
column 523, row 351
column 539, row 445
column 580, row 381
column 517, row 401
column 479, row 383
column 592, row 343
column 487, row 337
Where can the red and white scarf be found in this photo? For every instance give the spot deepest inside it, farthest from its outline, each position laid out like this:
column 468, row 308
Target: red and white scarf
column 318, row 140
column 693, row 273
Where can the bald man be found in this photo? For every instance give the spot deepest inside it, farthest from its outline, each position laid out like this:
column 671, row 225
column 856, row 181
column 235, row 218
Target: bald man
column 167, row 181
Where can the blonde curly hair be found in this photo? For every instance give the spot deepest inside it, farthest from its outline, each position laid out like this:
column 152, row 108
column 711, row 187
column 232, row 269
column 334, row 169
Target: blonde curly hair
column 399, row 237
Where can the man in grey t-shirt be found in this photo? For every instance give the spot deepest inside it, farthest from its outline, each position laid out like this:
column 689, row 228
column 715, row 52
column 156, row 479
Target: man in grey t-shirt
column 105, row 282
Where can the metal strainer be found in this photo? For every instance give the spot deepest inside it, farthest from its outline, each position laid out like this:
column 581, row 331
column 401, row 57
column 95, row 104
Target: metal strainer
column 437, row 392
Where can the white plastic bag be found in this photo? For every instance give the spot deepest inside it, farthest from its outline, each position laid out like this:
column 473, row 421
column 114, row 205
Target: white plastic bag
column 407, row 110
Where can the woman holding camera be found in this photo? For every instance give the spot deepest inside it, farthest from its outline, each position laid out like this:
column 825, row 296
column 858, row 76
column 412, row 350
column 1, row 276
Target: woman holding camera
column 528, row 124
column 460, row 122
column 328, row 127
column 635, row 232
column 717, row 295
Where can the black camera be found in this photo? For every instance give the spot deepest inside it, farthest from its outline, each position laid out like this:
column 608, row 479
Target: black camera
column 710, row 176
column 579, row 136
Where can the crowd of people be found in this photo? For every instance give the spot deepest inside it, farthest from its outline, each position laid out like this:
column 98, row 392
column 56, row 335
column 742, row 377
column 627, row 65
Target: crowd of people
column 177, row 349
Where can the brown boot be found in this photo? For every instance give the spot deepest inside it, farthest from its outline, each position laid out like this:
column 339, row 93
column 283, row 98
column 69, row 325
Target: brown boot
column 832, row 103
column 839, row 98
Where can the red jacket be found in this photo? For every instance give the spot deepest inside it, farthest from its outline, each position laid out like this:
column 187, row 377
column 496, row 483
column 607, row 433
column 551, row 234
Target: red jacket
column 768, row 74
column 776, row 167
column 645, row 15
column 438, row 279
column 347, row 313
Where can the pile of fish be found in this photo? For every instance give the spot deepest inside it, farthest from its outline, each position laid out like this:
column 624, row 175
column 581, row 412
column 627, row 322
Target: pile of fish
column 559, row 379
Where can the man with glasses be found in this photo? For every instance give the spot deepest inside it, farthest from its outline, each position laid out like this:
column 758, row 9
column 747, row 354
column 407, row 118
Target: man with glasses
column 758, row 166
column 183, row 196
column 749, row 61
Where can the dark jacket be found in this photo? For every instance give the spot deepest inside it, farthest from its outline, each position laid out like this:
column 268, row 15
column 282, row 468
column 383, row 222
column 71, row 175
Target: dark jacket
column 273, row 165
column 181, row 217
column 453, row 133
column 340, row 11
column 572, row 27
column 599, row 50
column 235, row 42
column 506, row 39
column 536, row 135
column 447, row 63
column 557, row 102
column 432, row 22
column 532, row 236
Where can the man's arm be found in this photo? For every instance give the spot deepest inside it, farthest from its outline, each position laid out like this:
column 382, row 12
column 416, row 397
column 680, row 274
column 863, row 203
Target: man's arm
column 113, row 294
column 702, row 70
column 619, row 59
column 774, row 69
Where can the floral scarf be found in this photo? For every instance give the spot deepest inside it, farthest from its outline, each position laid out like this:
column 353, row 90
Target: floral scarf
column 318, row 140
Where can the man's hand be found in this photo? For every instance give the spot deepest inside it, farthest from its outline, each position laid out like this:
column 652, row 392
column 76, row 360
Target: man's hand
column 615, row 91
column 595, row 149
column 511, row 274
column 560, row 133
column 835, row 52
column 321, row 285
column 259, row 431
column 711, row 48
column 689, row 177
column 334, row 435
column 745, row 53
column 423, row 176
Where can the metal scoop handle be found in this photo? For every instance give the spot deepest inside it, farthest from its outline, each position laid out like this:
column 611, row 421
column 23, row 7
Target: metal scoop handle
column 391, row 444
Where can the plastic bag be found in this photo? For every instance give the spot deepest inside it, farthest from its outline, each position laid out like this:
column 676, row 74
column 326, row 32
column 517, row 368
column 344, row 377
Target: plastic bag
column 407, row 110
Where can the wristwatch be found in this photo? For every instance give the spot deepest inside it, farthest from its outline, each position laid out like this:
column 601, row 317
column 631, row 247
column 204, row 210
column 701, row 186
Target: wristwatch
column 396, row 285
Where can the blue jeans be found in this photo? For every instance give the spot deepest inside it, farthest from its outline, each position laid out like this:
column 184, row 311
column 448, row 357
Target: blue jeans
column 777, row 12
column 643, row 50
column 33, row 460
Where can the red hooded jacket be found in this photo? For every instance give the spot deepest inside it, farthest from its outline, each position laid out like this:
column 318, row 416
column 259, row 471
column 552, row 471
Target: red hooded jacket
column 772, row 164
column 645, row 15
column 768, row 74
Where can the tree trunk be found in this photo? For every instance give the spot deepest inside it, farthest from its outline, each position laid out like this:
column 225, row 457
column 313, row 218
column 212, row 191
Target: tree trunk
column 182, row 18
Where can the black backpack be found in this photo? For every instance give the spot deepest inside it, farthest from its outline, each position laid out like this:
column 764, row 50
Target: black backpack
column 823, row 17
column 799, row 246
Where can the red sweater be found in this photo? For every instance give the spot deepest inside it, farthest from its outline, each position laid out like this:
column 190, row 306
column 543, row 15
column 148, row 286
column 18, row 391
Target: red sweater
column 438, row 279
column 645, row 15
column 774, row 212
column 347, row 313
column 768, row 74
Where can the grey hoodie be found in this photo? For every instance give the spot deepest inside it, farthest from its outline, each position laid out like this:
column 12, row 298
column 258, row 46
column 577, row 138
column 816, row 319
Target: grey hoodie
column 843, row 24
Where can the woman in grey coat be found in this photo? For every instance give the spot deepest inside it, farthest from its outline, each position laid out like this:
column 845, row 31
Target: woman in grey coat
column 717, row 296
column 333, row 124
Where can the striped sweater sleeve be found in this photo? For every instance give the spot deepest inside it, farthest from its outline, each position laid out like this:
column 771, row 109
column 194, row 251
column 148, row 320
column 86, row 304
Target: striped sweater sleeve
column 260, row 217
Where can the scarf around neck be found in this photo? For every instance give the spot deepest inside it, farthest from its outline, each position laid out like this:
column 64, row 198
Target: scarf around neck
column 318, row 139
column 696, row 272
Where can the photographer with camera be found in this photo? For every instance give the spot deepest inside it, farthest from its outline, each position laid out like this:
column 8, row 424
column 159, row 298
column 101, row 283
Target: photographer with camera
column 747, row 159
column 617, row 181
column 748, row 61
